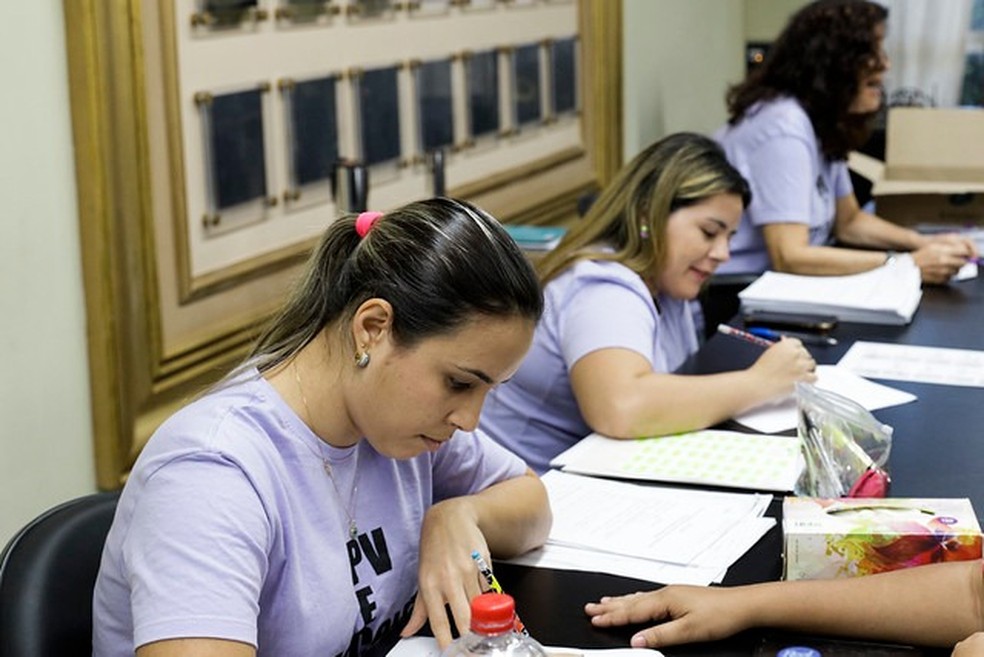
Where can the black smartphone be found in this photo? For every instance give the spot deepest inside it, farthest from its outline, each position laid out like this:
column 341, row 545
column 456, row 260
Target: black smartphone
column 790, row 321
column 812, row 646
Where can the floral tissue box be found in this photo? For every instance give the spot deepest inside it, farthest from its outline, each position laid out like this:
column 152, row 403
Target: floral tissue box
column 828, row 538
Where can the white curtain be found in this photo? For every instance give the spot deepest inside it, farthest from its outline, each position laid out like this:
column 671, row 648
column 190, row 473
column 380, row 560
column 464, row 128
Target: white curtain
column 926, row 42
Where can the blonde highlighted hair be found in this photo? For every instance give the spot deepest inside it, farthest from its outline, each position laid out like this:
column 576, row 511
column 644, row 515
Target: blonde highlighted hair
column 631, row 213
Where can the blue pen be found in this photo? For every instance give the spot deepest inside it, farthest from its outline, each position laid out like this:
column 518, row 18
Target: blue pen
column 805, row 338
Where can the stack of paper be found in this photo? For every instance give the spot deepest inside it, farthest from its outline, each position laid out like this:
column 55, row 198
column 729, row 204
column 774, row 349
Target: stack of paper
column 709, row 458
column 886, row 295
column 653, row 533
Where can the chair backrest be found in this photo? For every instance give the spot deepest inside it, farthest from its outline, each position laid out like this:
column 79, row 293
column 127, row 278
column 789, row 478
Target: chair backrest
column 719, row 299
column 47, row 574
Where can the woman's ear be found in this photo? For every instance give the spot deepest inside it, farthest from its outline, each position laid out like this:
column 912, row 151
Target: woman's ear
column 373, row 321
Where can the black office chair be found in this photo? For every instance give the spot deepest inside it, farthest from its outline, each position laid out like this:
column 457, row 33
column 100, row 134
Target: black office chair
column 719, row 300
column 47, row 574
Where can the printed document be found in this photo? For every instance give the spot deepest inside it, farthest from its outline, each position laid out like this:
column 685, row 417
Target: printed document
column 900, row 362
column 690, row 536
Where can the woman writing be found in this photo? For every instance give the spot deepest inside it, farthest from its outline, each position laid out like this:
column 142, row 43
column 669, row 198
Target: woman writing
column 792, row 123
column 618, row 321
column 331, row 490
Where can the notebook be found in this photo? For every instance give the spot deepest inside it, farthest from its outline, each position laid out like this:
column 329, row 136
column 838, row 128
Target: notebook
column 886, row 295
column 709, row 458
column 535, row 238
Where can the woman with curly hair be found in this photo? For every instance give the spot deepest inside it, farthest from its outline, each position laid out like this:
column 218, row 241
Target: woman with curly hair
column 791, row 125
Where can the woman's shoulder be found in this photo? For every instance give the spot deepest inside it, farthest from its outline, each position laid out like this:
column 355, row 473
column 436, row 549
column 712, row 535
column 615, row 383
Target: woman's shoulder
column 779, row 117
column 588, row 281
column 233, row 420
column 601, row 272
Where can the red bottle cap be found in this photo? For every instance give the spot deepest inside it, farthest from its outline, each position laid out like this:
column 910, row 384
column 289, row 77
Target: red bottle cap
column 492, row 613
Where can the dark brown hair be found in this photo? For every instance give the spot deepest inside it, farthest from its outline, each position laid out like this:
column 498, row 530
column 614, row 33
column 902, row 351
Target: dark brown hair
column 439, row 262
column 818, row 59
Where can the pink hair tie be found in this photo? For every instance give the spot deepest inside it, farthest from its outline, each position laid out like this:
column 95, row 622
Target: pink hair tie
column 365, row 221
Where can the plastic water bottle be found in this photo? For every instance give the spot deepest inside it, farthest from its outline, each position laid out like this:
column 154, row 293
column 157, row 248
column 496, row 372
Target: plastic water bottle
column 493, row 631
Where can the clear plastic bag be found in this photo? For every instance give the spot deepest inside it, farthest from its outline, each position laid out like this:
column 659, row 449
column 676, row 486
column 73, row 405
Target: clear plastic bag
column 844, row 446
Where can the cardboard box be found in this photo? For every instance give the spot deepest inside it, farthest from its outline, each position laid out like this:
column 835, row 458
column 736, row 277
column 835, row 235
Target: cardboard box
column 830, row 538
column 934, row 167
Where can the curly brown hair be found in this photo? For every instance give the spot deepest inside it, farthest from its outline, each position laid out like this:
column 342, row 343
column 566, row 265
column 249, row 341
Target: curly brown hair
column 818, row 59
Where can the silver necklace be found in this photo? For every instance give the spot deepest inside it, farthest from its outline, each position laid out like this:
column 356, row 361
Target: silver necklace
column 349, row 510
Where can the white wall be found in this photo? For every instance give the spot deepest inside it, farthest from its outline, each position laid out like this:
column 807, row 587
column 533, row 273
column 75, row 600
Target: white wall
column 680, row 56
column 764, row 19
column 45, row 429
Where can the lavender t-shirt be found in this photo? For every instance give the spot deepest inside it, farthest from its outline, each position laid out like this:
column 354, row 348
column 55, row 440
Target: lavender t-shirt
column 230, row 528
column 592, row 305
column 776, row 149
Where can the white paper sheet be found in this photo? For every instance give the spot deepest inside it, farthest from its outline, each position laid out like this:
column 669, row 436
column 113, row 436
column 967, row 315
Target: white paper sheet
column 709, row 457
column 780, row 415
column 654, row 533
column 966, row 272
column 899, row 362
column 563, row 557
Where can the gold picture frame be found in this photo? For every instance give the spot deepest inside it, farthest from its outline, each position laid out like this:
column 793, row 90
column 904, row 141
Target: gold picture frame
column 156, row 334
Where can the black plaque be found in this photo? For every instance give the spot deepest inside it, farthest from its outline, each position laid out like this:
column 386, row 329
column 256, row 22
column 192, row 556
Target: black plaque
column 527, row 104
column 564, row 73
column 228, row 13
column 373, row 8
column 482, row 80
column 434, row 104
column 305, row 11
column 430, row 7
column 235, row 141
column 313, row 130
column 972, row 92
column 379, row 115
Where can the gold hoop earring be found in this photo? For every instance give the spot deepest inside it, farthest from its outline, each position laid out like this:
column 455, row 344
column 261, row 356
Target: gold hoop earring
column 362, row 359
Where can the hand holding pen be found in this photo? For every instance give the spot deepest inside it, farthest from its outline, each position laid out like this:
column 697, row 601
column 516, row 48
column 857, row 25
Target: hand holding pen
column 805, row 338
column 783, row 362
column 766, row 337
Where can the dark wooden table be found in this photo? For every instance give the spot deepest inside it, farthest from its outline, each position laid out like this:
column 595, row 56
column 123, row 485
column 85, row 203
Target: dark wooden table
column 937, row 451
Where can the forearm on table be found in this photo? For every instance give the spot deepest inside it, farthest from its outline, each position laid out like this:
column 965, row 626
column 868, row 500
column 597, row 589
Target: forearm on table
column 790, row 251
column 827, row 260
column 513, row 515
column 870, row 231
column 660, row 404
column 938, row 604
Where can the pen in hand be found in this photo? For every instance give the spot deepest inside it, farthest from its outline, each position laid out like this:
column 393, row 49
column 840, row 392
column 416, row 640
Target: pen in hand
column 483, row 567
column 805, row 338
column 744, row 335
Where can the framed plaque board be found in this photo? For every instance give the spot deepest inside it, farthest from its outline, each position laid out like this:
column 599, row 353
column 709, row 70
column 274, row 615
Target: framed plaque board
column 173, row 301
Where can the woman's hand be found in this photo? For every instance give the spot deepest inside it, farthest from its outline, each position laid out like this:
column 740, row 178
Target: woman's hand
column 447, row 572
column 942, row 256
column 972, row 646
column 782, row 365
column 684, row 614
